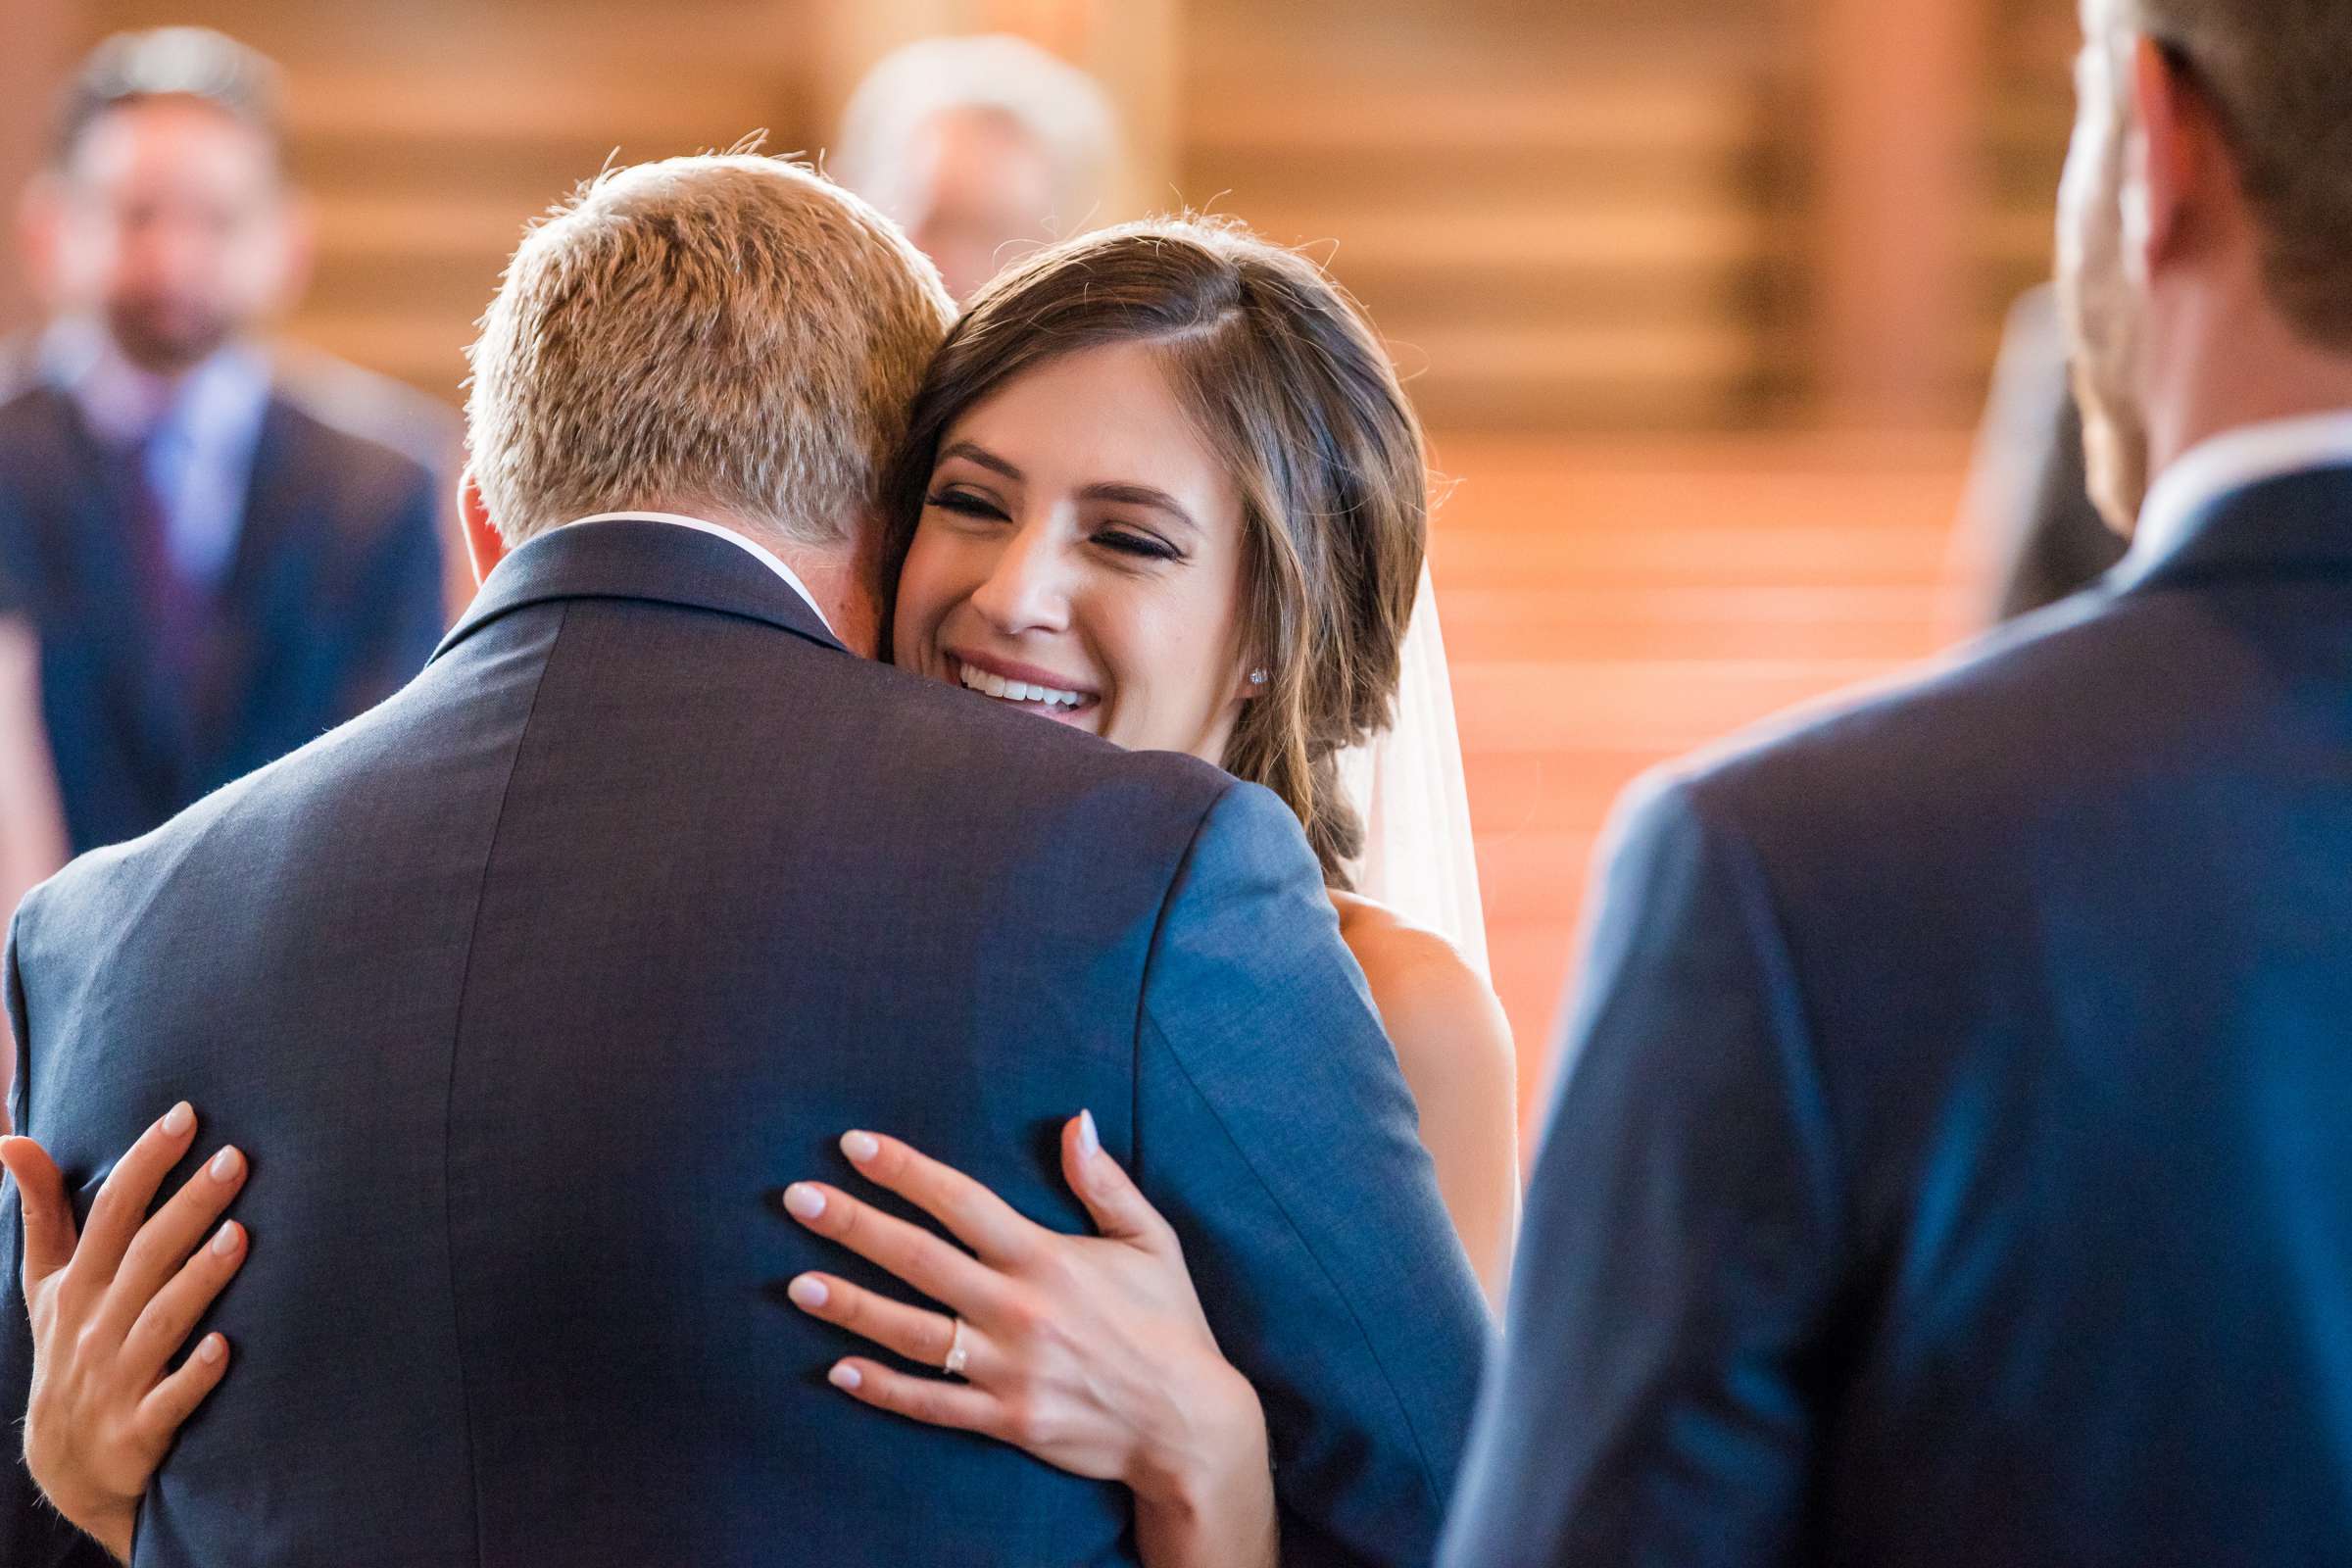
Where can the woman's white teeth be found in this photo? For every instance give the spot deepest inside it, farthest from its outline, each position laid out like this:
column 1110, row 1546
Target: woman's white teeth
column 1014, row 691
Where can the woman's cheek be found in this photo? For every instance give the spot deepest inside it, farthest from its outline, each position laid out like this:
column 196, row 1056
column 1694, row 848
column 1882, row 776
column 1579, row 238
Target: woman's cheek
column 922, row 600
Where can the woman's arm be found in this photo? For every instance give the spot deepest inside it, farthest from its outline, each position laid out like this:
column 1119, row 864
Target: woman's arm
column 32, row 828
column 1454, row 1046
column 110, row 1312
column 33, row 825
column 1088, row 1351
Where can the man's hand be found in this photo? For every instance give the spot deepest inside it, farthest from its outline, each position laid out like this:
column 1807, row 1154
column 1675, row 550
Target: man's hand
column 109, row 1313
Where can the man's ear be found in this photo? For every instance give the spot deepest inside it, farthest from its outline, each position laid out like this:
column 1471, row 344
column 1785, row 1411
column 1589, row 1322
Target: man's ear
column 298, row 250
column 485, row 547
column 2178, row 164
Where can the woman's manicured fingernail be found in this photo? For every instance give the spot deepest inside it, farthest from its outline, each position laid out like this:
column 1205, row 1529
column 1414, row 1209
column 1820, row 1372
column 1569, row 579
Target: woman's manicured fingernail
column 226, row 1240
column 859, row 1146
column 803, row 1201
column 179, row 1118
column 212, row 1348
column 807, row 1291
column 225, row 1163
column 845, row 1376
column 1090, row 1141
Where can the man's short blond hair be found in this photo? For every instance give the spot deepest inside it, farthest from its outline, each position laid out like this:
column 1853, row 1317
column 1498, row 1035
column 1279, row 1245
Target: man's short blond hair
column 2275, row 70
column 728, row 333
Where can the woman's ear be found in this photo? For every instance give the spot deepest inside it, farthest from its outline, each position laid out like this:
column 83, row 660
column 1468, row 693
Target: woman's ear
column 485, row 547
column 1253, row 684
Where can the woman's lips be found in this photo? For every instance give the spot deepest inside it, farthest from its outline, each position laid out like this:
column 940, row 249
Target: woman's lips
column 1024, row 686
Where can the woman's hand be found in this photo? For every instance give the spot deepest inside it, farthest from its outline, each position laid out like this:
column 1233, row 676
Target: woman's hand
column 1088, row 1351
column 109, row 1314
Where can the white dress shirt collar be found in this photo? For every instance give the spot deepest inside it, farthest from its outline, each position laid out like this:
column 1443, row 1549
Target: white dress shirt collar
column 2232, row 460
column 766, row 557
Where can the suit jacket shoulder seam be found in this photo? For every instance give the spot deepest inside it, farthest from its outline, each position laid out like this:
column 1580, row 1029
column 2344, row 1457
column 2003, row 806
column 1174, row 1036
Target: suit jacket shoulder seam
column 1145, row 1020
column 1759, row 910
column 1429, row 1482
column 457, row 1039
column 1143, row 988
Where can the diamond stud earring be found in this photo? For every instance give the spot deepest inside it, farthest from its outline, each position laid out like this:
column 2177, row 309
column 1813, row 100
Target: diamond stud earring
column 1257, row 677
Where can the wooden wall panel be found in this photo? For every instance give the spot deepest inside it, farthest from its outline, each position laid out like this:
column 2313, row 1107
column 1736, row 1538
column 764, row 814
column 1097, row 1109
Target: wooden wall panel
column 1557, row 220
column 1612, row 605
column 430, row 133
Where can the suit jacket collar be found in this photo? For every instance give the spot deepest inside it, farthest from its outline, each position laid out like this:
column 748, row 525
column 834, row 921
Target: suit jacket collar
column 642, row 560
column 2292, row 524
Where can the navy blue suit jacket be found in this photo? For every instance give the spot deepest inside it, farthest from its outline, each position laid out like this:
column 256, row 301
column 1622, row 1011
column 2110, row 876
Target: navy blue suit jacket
column 333, row 599
column 530, row 990
column 1954, row 1162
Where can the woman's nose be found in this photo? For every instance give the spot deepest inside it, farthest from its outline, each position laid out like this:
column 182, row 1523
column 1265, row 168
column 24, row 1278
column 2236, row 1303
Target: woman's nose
column 1026, row 589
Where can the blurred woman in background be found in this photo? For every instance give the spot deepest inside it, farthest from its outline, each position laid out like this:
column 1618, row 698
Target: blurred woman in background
column 982, row 148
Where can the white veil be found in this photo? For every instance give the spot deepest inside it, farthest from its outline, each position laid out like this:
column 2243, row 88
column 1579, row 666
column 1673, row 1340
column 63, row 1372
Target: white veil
column 1419, row 857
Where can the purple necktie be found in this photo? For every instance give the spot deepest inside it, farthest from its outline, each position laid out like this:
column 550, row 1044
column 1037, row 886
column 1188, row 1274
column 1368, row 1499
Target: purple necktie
column 175, row 612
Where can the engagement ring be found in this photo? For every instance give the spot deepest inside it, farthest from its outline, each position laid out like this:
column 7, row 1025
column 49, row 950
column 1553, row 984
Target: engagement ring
column 957, row 1355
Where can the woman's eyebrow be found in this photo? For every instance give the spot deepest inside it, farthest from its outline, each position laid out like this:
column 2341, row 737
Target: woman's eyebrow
column 973, row 452
column 1138, row 494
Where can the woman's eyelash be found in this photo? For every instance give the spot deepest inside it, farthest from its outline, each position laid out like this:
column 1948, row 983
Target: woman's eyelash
column 966, row 503
column 1140, row 545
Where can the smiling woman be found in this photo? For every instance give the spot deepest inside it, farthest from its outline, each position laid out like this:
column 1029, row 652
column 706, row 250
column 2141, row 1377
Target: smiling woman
column 1162, row 485
column 1031, row 572
column 1106, row 460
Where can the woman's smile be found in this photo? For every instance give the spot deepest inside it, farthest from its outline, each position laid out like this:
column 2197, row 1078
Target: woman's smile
column 1039, row 691
column 1079, row 556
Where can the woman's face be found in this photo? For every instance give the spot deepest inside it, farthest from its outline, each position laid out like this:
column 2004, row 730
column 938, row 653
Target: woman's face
column 1080, row 558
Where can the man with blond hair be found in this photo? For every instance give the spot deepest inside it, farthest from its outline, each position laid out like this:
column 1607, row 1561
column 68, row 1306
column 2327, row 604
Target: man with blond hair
column 1953, row 1163
column 529, row 990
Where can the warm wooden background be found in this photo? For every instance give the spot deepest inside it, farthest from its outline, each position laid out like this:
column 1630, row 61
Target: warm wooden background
column 1696, row 295
column 1612, row 605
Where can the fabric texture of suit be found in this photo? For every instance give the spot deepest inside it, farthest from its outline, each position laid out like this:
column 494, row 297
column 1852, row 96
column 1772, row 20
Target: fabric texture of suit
column 1954, row 1160
column 332, row 600
column 529, row 990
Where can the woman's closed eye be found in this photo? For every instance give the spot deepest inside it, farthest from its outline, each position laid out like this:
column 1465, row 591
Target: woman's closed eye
column 1139, row 544
column 967, row 503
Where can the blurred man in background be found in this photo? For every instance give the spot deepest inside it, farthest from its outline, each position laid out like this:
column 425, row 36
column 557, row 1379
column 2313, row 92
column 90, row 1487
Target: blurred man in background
column 2035, row 536
column 223, row 555
column 982, row 148
column 1953, row 1163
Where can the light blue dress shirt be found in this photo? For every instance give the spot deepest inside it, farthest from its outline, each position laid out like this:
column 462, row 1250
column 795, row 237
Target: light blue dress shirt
column 196, row 433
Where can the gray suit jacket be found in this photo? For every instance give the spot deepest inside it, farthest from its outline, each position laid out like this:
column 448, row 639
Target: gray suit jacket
column 1955, row 1165
column 530, row 990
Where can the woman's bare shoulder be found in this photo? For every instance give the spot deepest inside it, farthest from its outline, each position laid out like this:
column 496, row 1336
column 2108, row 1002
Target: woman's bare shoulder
column 1453, row 1045
column 1426, row 992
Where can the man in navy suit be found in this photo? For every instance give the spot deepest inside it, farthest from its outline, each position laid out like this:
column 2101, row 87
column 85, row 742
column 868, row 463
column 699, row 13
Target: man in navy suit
column 528, row 991
column 224, row 551
column 1953, row 1163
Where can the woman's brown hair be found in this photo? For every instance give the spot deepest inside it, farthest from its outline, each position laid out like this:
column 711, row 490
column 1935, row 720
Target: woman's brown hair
column 1295, row 394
